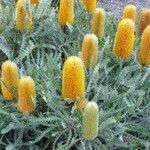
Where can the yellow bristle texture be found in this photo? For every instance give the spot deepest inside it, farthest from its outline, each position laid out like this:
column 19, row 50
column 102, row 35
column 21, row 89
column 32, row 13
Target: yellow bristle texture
column 66, row 12
column 35, row 2
column 124, row 40
column 10, row 78
column 26, row 95
column 23, row 18
column 73, row 80
column 90, row 50
column 98, row 22
column 144, row 20
column 130, row 12
column 90, row 5
column 144, row 53
column 90, row 121
column 80, row 104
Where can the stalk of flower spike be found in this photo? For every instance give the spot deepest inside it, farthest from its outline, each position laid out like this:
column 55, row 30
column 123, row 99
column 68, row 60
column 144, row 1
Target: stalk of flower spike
column 90, row 121
column 144, row 53
column 10, row 78
column 66, row 12
column 26, row 95
column 23, row 18
column 144, row 20
column 98, row 22
column 124, row 39
column 90, row 50
column 35, row 2
column 130, row 12
column 73, row 80
column 90, row 5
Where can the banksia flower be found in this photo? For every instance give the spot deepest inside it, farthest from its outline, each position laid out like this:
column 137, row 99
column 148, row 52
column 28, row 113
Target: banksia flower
column 98, row 22
column 90, row 50
column 10, row 78
column 144, row 54
column 35, row 2
column 90, row 121
column 66, row 12
column 90, row 5
column 130, row 12
column 23, row 18
column 144, row 20
column 73, row 80
column 124, row 40
column 26, row 95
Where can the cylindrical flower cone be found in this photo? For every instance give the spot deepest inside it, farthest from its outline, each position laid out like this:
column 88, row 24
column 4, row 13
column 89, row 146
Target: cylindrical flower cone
column 144, row 53
column 130, row 12
column 10, row 78
column 90, row 5
column 144, row 20
column 98, row 22
column 73, row 79
column 90, row 50
column 90, row 121
column 23, row 19
column 66, row 12
column 26, row 95
column 35, row 2
column 124, row 39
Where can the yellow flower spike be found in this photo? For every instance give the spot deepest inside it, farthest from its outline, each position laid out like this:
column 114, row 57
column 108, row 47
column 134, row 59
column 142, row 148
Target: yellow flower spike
column 90, row 5
column 124, row 39
column 23, row 18
column 66, row 12
column 144, row 53
column 90, row 50
column 90, row 121
column 98, row 22
column 26, row 95
column 73, row 79
column 10, row 78
column 80, row 104
column 130, row 12
column 35, row 2
column 144, row 20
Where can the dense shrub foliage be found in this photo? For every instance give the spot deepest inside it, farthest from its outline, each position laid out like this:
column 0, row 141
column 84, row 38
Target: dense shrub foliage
column 120, row 87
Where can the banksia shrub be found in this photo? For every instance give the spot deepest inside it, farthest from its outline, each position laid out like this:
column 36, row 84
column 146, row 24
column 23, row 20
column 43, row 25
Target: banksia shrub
column 144, row 20
column 26, row 95
column 90, row 50
column 144, row 53
column 23, row 18
column 98, row 22
column 130, row 12
column 124, row 39
column 90, row 121
column 35, row 2
column 10, row 78
column 73, row 79
column 90, row 5
column 66, row 12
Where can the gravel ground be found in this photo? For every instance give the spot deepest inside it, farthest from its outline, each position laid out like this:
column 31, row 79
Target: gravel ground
column 116, row 6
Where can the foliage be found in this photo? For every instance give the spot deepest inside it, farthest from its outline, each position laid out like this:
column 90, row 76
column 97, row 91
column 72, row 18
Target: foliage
column 120, row 88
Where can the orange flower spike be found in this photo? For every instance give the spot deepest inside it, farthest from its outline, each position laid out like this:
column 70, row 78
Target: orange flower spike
column 130, row 12
column 124, row 39
column 90, row 5
column 26, row 95
column 35, row 2
column 90, row 50
column 66, row 12
column 98, row 22
column 73, row 79
column 144, row 53
column 10, row 78
column 144, row 20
